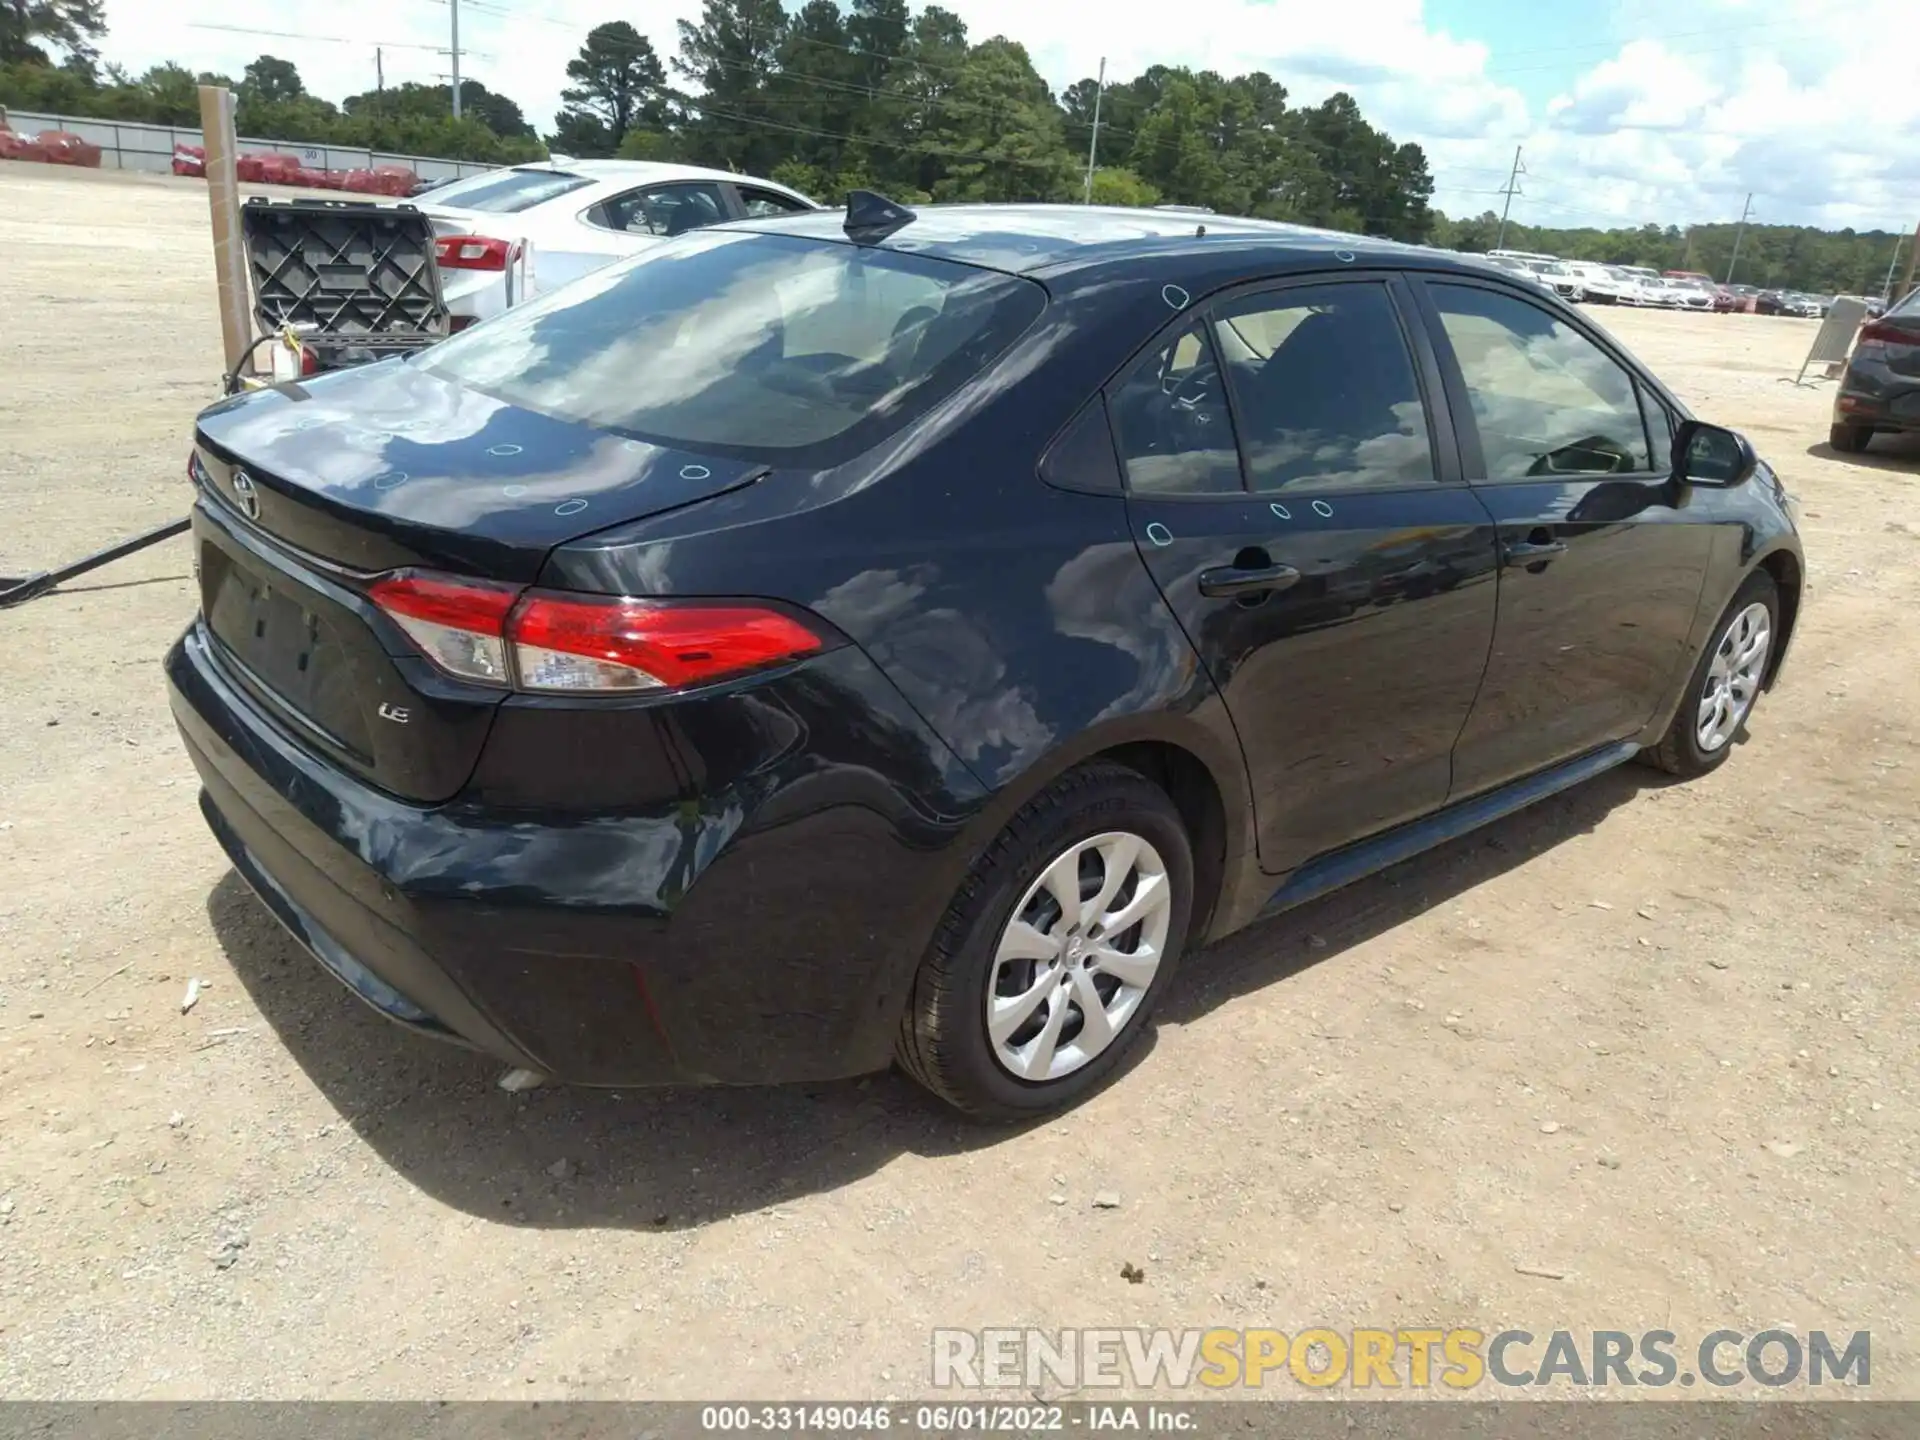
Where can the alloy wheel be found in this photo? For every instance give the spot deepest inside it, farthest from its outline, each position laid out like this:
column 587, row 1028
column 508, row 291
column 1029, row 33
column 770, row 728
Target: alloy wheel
column 1078, row 955
column 1733, row 679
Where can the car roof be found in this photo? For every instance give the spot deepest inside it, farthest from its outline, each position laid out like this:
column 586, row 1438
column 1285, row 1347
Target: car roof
column 1052, row 239
column 642, row 172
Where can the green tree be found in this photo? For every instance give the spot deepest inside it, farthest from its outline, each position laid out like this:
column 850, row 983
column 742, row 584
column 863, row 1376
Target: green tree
column 618, row 85
column 999, row 131
column 72, row 25
column 495, row 111
column 270, row 81
column 1115, row 185
column 733, row 54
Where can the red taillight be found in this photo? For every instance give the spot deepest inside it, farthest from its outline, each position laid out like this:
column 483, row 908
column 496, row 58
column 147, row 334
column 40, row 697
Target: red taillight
column 471, row 252
column 1882, row 332
column 582, row 644
column 572, row 642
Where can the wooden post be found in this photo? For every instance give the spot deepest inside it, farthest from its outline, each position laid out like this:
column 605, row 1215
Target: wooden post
column 229, row 245
column 1913, row 255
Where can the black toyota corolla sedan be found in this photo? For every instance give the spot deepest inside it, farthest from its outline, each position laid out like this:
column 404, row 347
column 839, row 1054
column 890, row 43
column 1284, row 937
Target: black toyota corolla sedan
column 841, row 639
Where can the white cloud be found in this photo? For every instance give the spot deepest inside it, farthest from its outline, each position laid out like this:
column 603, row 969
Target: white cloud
column 1796, row 100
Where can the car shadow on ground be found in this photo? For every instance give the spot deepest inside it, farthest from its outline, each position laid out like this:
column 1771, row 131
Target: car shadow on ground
column 670, row 1159
column 1883, row 452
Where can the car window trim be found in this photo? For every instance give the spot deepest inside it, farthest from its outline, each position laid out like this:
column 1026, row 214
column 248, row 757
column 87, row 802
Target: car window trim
column 1472, row 452
column 1449, row 459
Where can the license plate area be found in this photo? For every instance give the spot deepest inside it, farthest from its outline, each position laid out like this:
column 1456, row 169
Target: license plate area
column 285, row 647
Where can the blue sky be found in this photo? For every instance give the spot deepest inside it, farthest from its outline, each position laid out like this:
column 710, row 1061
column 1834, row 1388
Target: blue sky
column 1629, row 110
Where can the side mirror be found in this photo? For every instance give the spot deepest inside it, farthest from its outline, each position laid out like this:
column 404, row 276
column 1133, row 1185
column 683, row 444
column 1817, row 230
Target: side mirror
column 1711, row 455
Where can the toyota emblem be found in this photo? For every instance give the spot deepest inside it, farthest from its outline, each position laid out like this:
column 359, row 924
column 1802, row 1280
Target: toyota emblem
column 246, row 495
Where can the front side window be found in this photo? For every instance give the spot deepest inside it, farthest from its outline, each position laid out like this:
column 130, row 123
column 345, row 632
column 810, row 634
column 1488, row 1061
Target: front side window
column 1324, row 392
column 1547, row 400
column 1171, row 416
column 663, row 210
column 766, row 347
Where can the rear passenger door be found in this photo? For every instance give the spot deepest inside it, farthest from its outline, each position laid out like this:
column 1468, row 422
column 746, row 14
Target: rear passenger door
column 1602, row 563
column 1294, row 489
column 621, row 224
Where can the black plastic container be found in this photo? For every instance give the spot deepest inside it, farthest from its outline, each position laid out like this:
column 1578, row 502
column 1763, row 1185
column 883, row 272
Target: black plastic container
column 354, row 280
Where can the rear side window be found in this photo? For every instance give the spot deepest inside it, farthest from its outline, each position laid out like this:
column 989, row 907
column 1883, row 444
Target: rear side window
column 759, row 204
column 507, row 192
column 1908, row 306
column 1547, row 400
column 1170, row 414
column 1324, row 392
column 764, row 347
column 661, row 209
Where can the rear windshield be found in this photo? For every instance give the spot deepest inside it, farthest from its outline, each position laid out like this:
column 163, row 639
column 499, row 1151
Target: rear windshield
column 1908, row 306
column 760, row 346
column 504, row 192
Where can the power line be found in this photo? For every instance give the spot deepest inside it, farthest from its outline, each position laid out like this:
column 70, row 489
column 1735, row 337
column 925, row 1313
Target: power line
column 316, row 39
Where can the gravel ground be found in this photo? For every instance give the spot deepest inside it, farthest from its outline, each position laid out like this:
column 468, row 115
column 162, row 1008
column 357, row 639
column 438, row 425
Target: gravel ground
column 1656, row 1041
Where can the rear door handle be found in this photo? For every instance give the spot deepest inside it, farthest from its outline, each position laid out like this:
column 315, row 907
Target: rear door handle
column 1532, row 552
column 1223, row 582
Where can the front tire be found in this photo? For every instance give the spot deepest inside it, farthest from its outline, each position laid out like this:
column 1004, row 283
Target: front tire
column 1849, row 439
column 1044, row 972
column 1725, row 684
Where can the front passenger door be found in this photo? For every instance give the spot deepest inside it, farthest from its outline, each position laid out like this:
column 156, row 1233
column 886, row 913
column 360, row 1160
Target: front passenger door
column 1601, row 564
column 1293, row 490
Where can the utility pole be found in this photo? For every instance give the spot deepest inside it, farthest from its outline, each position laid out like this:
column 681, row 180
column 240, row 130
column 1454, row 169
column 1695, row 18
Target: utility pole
column 1093, row 145
column 1512, row 189
column 379, row 72
column 454, row 7
column 1886, row 289
column 1738, row 235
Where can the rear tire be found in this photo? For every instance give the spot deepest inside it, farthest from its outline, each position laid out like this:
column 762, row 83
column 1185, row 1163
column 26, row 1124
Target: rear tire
column 1725, row 685
column 1010, row 962
column 1849, row 439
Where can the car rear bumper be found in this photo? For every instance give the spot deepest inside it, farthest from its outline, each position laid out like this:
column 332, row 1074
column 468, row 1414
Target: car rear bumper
column 1873, row 393
column 763, row 930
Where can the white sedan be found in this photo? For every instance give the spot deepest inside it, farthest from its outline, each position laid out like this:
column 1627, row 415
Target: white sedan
column 507, row 234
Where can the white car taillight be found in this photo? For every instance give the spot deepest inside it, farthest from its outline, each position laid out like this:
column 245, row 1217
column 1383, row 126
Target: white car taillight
column 460, row 625
column 583, row 644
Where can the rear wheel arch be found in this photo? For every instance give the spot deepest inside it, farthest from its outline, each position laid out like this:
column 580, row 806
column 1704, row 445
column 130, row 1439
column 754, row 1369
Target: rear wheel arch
column 1196, row 794
column 1203, row 774
column 1788, row 577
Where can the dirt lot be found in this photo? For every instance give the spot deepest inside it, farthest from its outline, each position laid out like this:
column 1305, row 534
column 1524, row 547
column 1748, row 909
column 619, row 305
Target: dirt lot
column 1659, row 1041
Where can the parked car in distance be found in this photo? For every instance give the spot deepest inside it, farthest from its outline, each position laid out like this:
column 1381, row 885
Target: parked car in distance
column 1599, row 283
column 507, row 235
column 1523, row 270
column 1880, row 388
column 1770, row 302
column 1562, row 280
column 841, row 638
column 1686, row 294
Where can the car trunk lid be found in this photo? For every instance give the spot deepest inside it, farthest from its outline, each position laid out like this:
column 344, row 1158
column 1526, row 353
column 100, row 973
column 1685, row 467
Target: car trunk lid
column 1898, row 335
column 310, row 491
